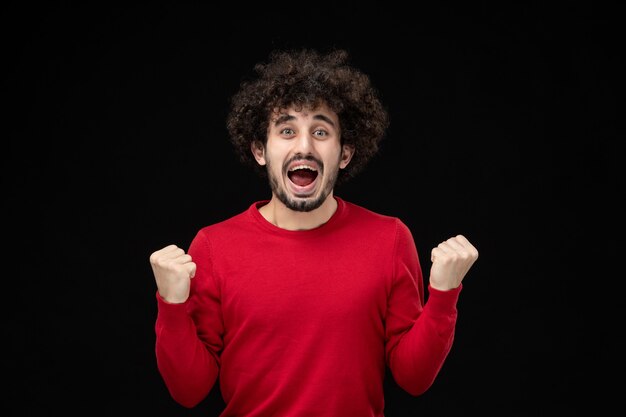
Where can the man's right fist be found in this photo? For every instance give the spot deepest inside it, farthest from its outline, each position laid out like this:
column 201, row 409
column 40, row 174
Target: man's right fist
column 173, row 270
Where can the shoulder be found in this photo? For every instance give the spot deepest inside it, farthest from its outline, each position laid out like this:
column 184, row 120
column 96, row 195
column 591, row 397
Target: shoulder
column 229, row 225
column 361, row 212
column 366, row 217
column 384, row 231
column 219, row 236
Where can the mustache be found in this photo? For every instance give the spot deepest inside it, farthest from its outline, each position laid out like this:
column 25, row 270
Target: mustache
column 298, row 158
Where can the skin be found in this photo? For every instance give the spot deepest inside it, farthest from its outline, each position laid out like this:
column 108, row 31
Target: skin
column 311, row 137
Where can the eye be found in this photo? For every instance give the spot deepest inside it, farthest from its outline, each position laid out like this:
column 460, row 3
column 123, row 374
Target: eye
column 320, row 133
column 287, row 131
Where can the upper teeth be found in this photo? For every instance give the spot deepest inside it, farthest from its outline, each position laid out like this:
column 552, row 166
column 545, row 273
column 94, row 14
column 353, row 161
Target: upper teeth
column 302, row 167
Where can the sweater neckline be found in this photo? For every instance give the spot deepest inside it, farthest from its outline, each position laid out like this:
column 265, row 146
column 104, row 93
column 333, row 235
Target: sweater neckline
column 323, row 228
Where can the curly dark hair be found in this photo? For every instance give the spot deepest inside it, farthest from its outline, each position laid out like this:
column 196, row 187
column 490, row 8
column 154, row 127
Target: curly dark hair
column 307, row 78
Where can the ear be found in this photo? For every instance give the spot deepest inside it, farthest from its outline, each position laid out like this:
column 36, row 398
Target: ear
column 258, row 151
column 346, row 155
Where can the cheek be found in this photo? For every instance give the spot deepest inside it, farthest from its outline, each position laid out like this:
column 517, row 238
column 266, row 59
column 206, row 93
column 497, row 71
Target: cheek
column 277, row 154
column 336, row 157
column 272, row 162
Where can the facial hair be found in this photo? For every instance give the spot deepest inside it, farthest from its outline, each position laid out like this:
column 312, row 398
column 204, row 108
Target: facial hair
column 305, row 204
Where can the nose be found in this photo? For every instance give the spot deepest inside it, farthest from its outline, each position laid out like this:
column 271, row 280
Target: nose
column 303, row 143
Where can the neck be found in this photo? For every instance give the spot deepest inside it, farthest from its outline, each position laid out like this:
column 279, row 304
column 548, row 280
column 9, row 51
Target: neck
column 281, row 216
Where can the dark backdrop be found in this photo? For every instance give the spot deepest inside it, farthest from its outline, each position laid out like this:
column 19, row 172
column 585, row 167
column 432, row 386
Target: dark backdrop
column 503, row 128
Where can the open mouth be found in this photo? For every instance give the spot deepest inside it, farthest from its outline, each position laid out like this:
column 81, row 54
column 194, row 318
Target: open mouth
column 302, row 175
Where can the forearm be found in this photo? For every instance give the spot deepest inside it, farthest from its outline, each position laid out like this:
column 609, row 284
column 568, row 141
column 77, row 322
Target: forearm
column 188, row 368
column 420, row 353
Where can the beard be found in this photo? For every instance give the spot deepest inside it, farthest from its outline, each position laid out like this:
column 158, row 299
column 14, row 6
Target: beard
column 301, row 204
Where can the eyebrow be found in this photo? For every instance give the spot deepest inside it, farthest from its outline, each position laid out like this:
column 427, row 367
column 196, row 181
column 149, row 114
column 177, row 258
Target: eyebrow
column 283, row 118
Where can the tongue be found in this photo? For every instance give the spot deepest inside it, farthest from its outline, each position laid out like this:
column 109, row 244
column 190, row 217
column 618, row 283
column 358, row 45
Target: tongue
column 302, row 177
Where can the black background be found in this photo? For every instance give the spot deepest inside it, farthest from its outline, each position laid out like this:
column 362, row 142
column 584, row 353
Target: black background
column 503, row 128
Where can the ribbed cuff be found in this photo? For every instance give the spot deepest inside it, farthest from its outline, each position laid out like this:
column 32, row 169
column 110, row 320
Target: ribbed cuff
column 443, row 302
column 170, row 314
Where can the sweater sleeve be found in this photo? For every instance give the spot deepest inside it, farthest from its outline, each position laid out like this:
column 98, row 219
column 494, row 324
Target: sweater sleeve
column 419, row 335
column 189, row 335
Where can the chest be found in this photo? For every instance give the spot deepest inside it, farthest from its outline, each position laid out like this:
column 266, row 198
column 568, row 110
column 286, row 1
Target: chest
column 290, row 287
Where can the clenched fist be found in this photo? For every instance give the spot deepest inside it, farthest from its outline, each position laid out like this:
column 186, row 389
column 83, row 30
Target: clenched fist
column 173, row 270
column 451, row 261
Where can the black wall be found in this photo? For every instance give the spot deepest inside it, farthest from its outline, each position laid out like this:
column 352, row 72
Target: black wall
column 503, row 128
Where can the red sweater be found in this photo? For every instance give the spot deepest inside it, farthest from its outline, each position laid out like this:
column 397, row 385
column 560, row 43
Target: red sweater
column 303, row 323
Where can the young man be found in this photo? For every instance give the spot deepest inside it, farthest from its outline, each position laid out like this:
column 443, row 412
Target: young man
column 298, row 304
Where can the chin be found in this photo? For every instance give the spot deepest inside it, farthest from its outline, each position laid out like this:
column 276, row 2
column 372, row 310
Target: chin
column 302, row 204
